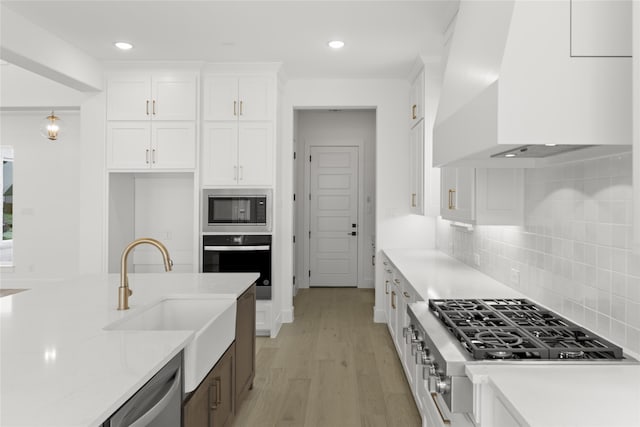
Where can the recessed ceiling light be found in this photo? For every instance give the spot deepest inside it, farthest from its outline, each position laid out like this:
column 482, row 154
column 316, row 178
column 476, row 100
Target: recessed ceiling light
column 336, row 44
column 510, row 155
column 550, row 145
column 123, row 45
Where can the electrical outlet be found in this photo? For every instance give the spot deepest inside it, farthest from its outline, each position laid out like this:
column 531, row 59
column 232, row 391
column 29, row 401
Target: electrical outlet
column 476, row 259
column 515, row 277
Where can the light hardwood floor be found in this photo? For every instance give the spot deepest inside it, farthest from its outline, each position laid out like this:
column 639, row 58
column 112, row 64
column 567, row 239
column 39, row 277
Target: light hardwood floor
column 331, row 367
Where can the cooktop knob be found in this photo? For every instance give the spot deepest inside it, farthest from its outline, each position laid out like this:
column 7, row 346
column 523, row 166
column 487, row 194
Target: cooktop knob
column 442, row 386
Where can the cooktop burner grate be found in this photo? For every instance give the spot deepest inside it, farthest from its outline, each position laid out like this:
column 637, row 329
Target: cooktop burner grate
column 518, row 329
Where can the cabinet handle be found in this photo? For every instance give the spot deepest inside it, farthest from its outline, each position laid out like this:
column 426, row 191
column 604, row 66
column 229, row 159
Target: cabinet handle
column 452, row 199
column 386, row 287
column 241, row 176
column 413, row 200
column 393, row 299
column 240, row 107
column 147, row 155
column 215, row 403
column 153, row 156
column 397, row 281
column 147, row 107
column 413, row 111
column 442, row 417
column 235, row 173
column 153, row 107
column 218, row 391
column 406, row 294
column 234, row 108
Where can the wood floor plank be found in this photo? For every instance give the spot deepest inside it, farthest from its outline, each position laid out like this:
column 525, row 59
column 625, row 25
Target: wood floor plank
column 331, row 367
column 294, row 407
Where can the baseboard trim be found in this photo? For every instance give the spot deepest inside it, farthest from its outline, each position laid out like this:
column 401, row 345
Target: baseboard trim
column 379, row 316
column 287, row 315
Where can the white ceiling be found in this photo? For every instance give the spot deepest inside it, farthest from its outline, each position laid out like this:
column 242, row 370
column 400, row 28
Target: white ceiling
column 383, row 38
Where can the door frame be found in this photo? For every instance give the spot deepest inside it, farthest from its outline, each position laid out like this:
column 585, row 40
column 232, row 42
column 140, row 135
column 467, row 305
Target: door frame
column 358, row 143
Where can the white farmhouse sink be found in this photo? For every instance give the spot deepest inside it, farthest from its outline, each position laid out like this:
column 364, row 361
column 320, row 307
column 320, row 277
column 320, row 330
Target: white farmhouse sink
column 213, row 319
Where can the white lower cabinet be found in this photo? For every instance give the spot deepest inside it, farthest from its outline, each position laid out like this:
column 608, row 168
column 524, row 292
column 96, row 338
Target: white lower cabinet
column 399, row 293
column 388, row 295
column 491, row 409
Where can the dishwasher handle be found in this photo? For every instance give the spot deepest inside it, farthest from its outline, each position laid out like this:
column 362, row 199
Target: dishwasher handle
column 152, row 413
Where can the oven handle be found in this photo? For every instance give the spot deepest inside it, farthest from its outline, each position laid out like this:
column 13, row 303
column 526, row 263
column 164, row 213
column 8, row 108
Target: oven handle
column 444, row 419
column 237, row 248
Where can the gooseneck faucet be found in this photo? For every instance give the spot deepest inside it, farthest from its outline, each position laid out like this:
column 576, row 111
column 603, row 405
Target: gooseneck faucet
column 124, row 292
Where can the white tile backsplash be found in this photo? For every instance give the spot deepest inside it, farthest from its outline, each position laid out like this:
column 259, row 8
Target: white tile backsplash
column 573, row 251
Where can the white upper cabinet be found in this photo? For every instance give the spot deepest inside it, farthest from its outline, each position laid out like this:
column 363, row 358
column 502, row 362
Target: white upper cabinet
column 417, row 99
column 159, row 96
column 238, row 98
column 457, row 194
column 237, row 155
column 424, row 179
column 601, row 28
column 239, row 130
column 151, row 120
column 140, row 145
column 416, row 168
column 483, row 196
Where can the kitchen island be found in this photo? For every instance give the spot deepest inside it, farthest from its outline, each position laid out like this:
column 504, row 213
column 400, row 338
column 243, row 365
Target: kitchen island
column 60, row 367
column 509, row 393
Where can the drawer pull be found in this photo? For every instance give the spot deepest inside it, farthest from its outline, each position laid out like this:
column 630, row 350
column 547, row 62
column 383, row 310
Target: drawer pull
column 393, row 299
column 406, row 294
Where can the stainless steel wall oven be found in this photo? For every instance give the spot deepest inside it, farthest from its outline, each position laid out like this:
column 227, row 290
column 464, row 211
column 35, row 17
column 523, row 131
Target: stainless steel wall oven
column 239, row 254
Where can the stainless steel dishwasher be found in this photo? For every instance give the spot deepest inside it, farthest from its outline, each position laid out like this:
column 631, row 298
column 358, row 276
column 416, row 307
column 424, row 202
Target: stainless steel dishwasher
column 157, row 404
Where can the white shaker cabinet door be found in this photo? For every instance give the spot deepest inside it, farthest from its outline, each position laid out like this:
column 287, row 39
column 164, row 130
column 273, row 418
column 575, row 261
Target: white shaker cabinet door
column 173, row 145
column 417, row 168
column 458, row 194
column 220, row 154
column 174, row 97
column 128, row 145
column 255, row 98
column 220, row 100
column 255, row 154
column 129, row 97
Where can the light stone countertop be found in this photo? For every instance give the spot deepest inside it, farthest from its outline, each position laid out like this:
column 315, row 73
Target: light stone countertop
column 547, row 395
column 60, row 368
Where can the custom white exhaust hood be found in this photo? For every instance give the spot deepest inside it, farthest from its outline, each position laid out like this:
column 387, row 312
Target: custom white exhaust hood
column 521, row 81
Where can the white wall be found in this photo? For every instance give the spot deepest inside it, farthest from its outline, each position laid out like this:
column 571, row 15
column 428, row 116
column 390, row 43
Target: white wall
column 395, row 227
column 353, row 127
column 46, row 194
column 574, row 251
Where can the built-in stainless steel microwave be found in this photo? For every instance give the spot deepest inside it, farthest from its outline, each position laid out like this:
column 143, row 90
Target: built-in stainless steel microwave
column 236, row 210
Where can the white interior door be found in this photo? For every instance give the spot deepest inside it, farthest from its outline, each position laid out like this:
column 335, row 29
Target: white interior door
column 333, row 216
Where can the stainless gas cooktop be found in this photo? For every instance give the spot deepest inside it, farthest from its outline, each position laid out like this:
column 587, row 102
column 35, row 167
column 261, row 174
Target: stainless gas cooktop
column 519, row 329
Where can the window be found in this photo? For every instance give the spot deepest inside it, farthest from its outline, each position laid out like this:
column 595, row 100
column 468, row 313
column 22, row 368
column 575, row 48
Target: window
column 6, row 182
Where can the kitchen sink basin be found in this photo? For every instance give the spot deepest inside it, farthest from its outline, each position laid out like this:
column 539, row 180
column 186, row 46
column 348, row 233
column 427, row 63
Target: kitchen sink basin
column 212, row 319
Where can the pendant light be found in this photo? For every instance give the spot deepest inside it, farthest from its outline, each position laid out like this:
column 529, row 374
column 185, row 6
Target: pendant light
column 50, row 128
